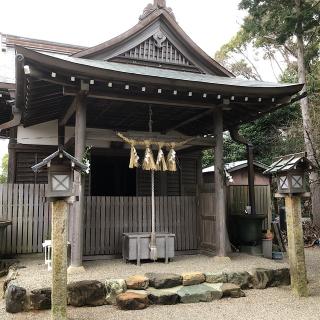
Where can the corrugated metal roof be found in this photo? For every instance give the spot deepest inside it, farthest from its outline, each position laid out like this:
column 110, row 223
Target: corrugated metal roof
column 287, row 163
column 169, row 74
column 232, row 166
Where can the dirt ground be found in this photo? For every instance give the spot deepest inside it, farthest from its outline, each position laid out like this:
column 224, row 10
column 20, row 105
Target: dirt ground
column 269, row 304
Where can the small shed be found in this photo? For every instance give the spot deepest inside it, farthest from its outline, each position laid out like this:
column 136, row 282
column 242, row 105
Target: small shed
column 238, row 172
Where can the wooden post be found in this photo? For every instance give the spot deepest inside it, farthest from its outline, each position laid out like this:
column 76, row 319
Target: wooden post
column 77, row 218
column 220, row 206
column 59, row 260
column 296, row 246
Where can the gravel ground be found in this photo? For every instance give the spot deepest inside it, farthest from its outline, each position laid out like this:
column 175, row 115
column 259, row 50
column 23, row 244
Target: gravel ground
column 269, row 304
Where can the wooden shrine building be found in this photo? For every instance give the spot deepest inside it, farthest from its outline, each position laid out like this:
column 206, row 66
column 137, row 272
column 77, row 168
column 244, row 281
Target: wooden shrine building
column 83, row 99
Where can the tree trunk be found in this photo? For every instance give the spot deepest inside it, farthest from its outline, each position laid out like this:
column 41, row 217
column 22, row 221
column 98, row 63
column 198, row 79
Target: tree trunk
column 307, row 125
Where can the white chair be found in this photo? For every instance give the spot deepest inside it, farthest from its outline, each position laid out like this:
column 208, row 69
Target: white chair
column 47, row 253
column 47, row 245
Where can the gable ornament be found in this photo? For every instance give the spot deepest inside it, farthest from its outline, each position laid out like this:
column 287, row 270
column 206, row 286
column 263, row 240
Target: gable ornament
column 157, row 4
column 160, row 38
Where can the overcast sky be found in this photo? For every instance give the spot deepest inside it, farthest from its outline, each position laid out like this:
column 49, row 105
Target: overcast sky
column 209, row 22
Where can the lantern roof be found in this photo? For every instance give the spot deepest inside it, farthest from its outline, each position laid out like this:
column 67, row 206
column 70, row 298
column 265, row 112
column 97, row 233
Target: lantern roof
column 290, row 162
column 60, row 153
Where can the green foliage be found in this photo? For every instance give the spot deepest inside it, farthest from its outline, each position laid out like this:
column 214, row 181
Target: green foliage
column 231, row 149
column 4, row 169
column 271, row 26
column 274, row 23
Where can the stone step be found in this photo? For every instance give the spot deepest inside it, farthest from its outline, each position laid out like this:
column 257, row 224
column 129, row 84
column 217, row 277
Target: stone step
column 198, row 293
column 132, row 301
column 162, row 296
column 164, row 280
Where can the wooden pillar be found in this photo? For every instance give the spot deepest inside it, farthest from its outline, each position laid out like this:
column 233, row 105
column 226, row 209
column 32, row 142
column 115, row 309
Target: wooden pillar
column 59, row 260
column 220, row 196
column 61, row 135
column 12, row 155
column 296, row 246
column 77, row 218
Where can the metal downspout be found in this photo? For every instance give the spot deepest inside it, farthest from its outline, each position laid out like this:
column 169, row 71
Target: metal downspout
column 20, row 94
column 235, row 135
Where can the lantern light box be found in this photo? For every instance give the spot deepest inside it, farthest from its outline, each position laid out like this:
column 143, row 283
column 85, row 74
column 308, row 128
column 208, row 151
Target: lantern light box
column 60, row 167
column 291, row 172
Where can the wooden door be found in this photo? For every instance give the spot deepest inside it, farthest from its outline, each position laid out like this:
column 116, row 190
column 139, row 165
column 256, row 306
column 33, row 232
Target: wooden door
column 207, row 221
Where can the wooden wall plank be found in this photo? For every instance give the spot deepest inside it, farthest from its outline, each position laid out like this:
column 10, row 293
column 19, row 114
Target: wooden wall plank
column 20, row 219
column 108, row 225
column 178, row 228
column 103, row 247
column 98, row 225
column 14, row 218
column 106, row 218
column 41, row 217
column 117, row 248
column 112, row 223
column 35, row 218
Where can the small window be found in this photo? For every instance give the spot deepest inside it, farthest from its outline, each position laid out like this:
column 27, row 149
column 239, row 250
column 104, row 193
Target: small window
column 284, row 183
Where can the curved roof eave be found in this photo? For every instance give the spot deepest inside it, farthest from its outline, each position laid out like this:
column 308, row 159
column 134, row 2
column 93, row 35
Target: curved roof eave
column 103, row 70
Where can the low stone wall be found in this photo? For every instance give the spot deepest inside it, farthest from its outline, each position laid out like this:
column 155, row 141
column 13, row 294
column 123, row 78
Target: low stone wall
column 140, row 291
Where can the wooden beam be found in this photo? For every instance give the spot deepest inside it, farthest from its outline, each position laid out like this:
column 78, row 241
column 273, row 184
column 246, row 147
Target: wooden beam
column 142, row 99
column 68, row 114
column 111, row 136
column 192, row 119
column 34, row 73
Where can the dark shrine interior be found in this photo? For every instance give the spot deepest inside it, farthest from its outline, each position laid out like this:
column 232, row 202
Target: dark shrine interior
column 111, row 176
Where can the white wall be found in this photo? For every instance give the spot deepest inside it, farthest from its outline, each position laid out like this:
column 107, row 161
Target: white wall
column 42, row 134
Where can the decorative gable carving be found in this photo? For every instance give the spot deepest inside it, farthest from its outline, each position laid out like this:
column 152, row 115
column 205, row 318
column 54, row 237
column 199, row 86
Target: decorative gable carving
column 157, row 50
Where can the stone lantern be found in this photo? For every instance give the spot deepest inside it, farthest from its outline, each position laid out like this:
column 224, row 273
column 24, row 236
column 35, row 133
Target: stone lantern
column 60, row 167
column 291, row 172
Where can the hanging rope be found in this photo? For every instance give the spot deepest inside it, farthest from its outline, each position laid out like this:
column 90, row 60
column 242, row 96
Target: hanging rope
column 153, row 241
column 148, row 161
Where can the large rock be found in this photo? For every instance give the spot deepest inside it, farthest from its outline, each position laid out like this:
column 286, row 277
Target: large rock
column 16, row 299
column 113, row 288
column 264, row 278
column 137, row 282
column 212, row 277
column 86, row 293
column 41, row 299
column 164, row 280
column 192, row 278
column 232, row 290
column 132, row 301
column 162, row 296
column 198, row 293
column 242, row 279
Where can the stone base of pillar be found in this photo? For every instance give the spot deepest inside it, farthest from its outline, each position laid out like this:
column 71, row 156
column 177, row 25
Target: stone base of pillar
column 76, row 270
column 219, row 259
